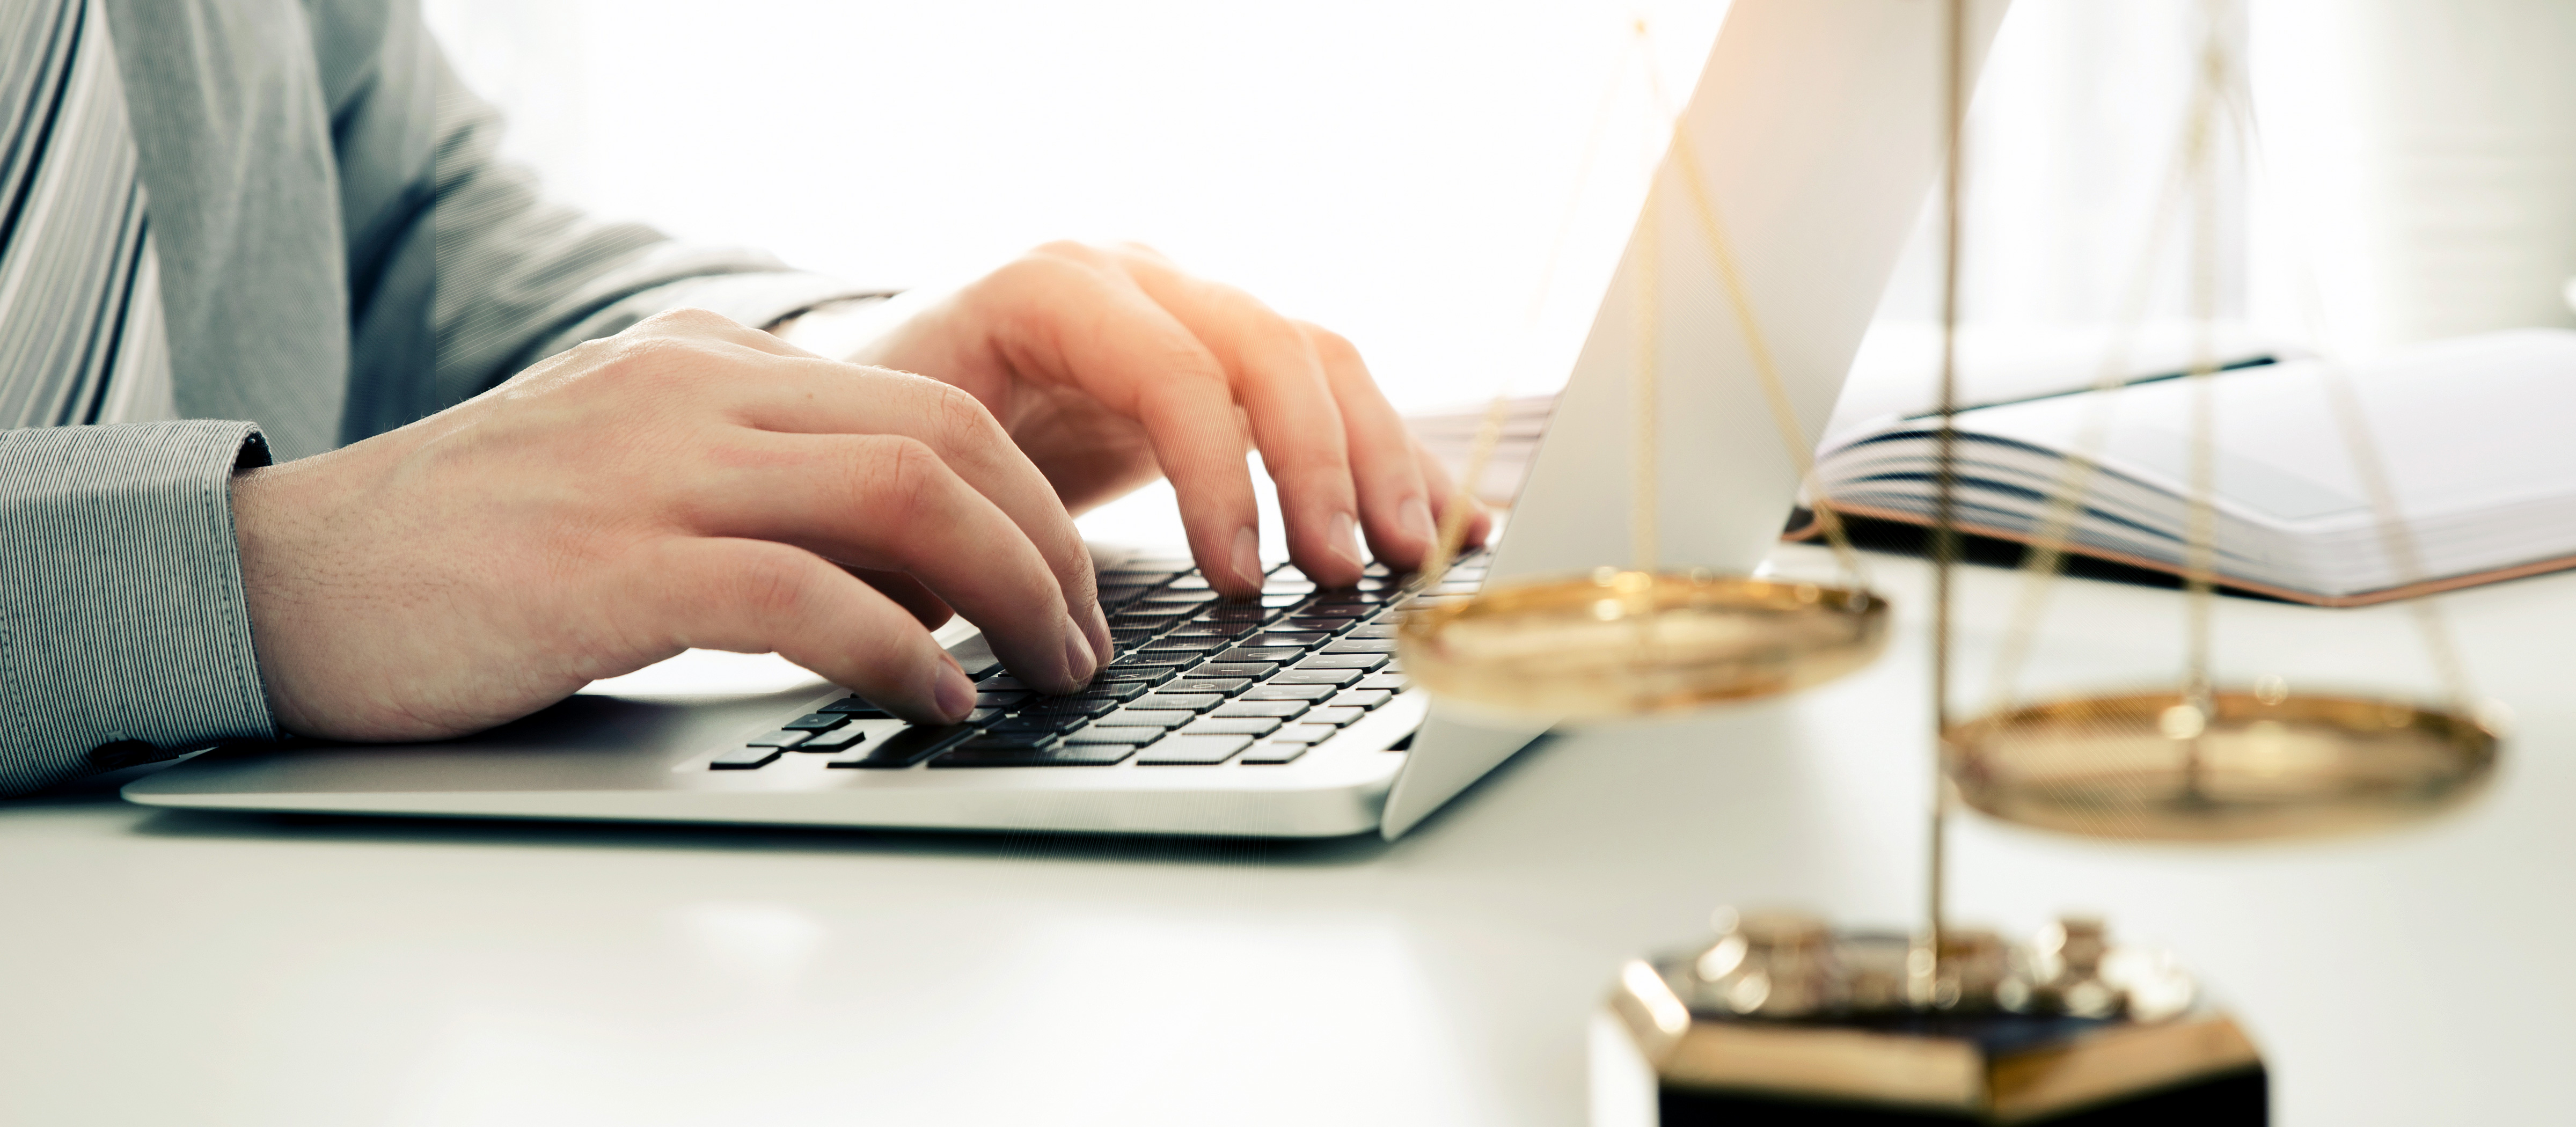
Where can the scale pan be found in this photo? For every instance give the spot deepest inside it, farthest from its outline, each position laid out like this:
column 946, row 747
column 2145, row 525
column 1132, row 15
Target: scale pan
column 1624, row 643
column 2150, row 768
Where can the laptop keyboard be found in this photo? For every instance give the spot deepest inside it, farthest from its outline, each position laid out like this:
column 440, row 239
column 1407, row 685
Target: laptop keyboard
column 1196, row 680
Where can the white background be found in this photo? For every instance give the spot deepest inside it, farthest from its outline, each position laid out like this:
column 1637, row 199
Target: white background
column 1446, row 182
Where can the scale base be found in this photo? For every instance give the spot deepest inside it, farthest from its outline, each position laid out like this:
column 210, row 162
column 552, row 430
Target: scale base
column 1872, row 1064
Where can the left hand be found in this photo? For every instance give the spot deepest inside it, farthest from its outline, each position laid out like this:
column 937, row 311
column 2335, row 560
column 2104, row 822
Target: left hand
column 1109, row 365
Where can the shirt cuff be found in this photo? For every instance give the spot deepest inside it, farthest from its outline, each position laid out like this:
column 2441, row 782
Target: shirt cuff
column 124, row 629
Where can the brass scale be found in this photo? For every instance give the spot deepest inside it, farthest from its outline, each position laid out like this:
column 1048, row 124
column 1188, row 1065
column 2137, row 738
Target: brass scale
column 1781, row 1016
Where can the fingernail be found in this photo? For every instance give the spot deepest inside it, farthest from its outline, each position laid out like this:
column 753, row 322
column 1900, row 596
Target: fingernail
column 1099, row 633
column 1345, row 540
column 952, row 692
column 1417, row 523
column 1247, row 555
column 1079, row 661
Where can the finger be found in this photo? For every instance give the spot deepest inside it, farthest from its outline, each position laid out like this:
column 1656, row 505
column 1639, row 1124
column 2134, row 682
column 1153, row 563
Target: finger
column 1108, row 337
column 1295, row 420
column 1445, row 496
column 1394, row 501
column 889, row 503
column 908, row 593
column 752, row 596
column 824, row 397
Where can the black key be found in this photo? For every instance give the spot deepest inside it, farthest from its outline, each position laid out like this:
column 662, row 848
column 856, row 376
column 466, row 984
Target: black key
column 1369, row 600
column 1262, row 653
column 1121, row 638
column 1060, row 755
column 1336, row 717
column 1007, row 741
column 1360, row 633
column 1214, row 630
column 1360, row 698
column 1316, row 677
column 854, row 706
column 1002, row 684
column 1146, row 718
column 815, row 722
column 1275, row 709
column 1111, row 690
column 1361, row 662
column 1309, row 624
column 1389, row 682
column 1329, row 610
column 1253, row 670
column 1171, row 598
column 1226, row 685
column 743, row 758
column 1132, row 737
column 1232, row 726
column 1132, row 662
column 834, row 741
column 1194, row 749
column 907, row 747
column 1067, row 706
column 1181, row 702
column 1271, row 754
column 984, row 715
column 999, row 700
column 1271, row 638
column 1172, row 648
column 782, row 738
column 1305, row 733
column 1133, row 675
column 1236, row 616
column 1362, row 646
column 1276, row 691
column 1039, row 724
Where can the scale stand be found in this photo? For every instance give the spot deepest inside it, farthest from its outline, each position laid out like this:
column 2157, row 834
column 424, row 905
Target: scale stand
column 1782, row 1020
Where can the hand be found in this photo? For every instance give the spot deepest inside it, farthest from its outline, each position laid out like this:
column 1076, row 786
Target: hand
column 1109, row 365
column 688, row 482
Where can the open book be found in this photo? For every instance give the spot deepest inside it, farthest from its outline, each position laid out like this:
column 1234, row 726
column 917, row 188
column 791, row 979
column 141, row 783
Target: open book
column 2470, row 434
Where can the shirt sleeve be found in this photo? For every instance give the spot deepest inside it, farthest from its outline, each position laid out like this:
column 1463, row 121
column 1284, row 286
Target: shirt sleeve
column 462, row 272
column 124, row 637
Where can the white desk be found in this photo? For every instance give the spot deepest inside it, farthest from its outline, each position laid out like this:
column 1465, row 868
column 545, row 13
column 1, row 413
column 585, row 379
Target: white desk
column 211, row 969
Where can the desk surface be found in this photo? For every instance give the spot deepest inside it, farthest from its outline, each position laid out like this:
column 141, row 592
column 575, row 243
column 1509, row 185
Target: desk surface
column 214, row 969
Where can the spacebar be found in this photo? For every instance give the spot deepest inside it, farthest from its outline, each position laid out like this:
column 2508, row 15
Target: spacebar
column 905, row 748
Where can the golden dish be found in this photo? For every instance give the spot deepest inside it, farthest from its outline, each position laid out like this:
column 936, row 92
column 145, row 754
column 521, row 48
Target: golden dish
column 2154, row 767
column 1623, row 643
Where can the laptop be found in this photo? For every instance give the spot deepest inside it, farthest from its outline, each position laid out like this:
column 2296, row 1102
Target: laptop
column 1817, row 128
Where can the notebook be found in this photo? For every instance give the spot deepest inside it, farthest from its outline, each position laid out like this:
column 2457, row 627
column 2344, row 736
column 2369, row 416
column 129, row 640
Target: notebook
column 2470, row 434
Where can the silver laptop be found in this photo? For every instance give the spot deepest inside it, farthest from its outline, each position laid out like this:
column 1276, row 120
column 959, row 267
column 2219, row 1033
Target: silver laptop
column 1817, row 128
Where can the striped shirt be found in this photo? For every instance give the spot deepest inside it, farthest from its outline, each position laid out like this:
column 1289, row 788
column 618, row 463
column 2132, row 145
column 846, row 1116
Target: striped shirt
column 80, row 292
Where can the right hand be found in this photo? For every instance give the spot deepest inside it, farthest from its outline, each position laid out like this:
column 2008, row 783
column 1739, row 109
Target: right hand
column 687, row 483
